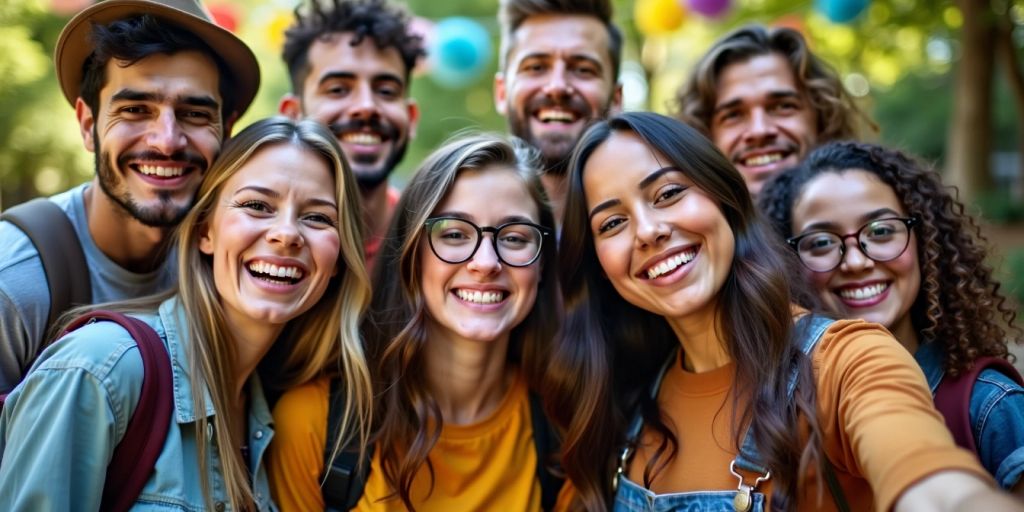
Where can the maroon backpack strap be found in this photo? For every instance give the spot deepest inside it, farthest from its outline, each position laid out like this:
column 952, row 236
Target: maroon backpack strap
column 136, row 454
column 953, row 397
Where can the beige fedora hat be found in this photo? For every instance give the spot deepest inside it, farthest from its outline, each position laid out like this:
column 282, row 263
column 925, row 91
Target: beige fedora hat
column 74, row 44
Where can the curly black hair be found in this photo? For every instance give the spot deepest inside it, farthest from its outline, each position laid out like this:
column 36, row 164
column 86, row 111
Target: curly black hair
column 959, row 304
column 387, row 25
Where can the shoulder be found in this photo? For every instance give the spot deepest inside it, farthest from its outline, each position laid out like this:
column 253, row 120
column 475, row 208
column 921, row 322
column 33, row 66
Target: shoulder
column 997, row 396
column 857, row 341
column 302, row 408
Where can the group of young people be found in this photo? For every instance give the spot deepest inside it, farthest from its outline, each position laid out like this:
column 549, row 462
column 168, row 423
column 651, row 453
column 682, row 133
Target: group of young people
column 604, row 310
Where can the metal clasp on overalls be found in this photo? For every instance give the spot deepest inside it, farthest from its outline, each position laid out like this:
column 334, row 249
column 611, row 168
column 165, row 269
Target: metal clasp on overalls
column 627, row 452
column 743, row 501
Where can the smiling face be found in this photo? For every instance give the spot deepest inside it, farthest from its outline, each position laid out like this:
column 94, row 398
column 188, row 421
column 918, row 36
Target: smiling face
column 157, row 129
column 662, row 242
column 273, row 236
column 557, row 79
column 360, row 92
column 761, row 121
column 481, row 299
column 881, row 292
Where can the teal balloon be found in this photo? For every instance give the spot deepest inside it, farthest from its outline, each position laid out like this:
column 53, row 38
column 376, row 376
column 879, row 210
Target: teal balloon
column 460, row 52
column 842, row 11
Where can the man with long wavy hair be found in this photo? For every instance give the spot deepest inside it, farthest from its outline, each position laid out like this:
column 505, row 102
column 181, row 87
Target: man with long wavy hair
column 766, row 100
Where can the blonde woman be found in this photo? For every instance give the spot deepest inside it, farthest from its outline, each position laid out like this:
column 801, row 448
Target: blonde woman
column 271, row 253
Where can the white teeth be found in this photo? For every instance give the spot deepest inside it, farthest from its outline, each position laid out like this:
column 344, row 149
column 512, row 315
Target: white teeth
column 671, row 264
column 480, row 297
column 271, row 270
column 763, row 159
column 561, row 116
column 864, row 292
column 366, row 139
column 164, row 172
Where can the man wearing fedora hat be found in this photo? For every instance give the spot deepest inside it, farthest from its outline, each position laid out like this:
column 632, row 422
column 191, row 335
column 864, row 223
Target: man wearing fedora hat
column 350, row 62
column 156, row 87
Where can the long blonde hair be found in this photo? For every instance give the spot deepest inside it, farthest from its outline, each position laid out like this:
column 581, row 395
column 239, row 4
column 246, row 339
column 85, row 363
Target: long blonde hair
column 323, row 340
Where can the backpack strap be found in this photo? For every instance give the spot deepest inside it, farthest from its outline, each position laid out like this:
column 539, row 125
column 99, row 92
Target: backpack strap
column 343, row 481
column 51, row 232
column 953, row 397
column 547, row 444
column 135, row 455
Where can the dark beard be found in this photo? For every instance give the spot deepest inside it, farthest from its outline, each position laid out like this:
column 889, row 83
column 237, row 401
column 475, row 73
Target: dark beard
column 167, row 214
column 373, row 178
column 555, row 150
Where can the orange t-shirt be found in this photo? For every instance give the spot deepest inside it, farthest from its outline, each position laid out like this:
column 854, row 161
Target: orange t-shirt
column 489, row 465
column 881, row 431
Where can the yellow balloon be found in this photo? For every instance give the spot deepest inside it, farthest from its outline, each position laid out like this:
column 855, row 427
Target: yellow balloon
column 654, row 17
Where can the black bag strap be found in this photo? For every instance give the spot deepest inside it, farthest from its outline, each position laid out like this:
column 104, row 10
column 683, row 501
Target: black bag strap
column 51, row 232
column 343, row 482
column 547, row 444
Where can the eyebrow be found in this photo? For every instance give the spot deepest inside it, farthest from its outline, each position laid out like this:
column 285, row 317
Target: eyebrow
column 467, row 217
column 867, row 217
column 348, row 75
column 572, row 57
column 133, row 95
column 644, row 183
column 773, row 95
column 316, row 201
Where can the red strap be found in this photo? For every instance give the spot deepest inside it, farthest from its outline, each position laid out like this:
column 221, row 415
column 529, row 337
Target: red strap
column 953, row 397
column 135, row 456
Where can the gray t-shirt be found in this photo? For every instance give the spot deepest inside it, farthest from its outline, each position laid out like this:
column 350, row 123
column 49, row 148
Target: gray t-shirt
column 25, row 297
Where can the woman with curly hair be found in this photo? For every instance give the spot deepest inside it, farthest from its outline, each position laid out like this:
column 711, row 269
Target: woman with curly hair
column 882, row 239
column 685, row 378
column 464, row 306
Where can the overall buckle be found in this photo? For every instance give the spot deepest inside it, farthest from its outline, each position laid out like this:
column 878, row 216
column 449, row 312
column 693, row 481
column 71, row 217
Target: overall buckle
column 743, row 501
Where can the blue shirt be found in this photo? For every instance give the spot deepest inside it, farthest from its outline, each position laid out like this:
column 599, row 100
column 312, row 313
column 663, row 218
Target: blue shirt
column 60, row 426
column 997, row 415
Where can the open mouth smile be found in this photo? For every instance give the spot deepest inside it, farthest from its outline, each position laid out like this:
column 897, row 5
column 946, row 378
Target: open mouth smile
column 556, row 115
column 862, row 292
column 274, row 273
column 161, row 171
column 480, row 297
column 671, row 263
column 363, row 138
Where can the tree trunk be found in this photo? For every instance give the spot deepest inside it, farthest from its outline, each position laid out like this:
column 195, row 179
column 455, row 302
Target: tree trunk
column 968, row 146
column 1015, row 77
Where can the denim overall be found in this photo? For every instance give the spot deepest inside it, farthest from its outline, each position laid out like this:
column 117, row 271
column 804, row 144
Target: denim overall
column 630, row 497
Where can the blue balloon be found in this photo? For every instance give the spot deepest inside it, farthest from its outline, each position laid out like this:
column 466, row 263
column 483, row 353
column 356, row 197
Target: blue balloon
column 460, row 52
column 842, row 11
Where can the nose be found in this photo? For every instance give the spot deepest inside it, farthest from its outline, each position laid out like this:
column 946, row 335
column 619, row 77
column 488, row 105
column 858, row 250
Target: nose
column 558, row 85
column 854, row 259
column 650, row 229
column 761, row 126
column 364, row 103
column 165, row 133
column 485, row 260
column 284, row 230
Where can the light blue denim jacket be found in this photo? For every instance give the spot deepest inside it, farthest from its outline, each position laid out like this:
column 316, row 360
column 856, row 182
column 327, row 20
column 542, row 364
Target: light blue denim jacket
column 997, row 415
column 59, row 427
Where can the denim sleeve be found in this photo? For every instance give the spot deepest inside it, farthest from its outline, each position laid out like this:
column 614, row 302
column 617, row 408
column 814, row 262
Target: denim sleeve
column 59, row 427
column 997, row 414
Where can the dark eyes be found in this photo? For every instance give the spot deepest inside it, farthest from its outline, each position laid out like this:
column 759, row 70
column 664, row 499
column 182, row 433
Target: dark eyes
column 262, row 208
column 610, row 224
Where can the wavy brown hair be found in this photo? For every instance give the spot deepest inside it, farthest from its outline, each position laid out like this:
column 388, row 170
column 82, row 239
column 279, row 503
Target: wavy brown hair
column 836, row 113
column 959, row 303
column 410, row 420
column 609, row 351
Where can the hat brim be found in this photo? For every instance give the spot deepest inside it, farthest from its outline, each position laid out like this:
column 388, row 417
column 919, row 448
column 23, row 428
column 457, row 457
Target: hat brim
column 74, row 45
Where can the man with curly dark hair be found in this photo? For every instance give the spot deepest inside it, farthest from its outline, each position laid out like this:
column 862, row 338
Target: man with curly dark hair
column 558, row 72
column 350, row 63
column 765, row 100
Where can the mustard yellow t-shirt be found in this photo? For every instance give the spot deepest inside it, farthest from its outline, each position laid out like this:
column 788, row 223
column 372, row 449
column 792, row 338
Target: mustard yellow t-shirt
column 490, row 465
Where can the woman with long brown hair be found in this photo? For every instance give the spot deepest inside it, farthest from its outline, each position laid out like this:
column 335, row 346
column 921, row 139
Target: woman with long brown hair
column 684, row 377
column 465, row 304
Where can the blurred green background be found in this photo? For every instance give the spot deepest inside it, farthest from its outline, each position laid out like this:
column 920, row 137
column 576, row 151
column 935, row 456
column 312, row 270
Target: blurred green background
column 942, row 78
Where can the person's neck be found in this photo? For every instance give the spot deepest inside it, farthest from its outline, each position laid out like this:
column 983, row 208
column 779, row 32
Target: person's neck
column 703, row 349
column 904, row 332
column 129, row 243
column 252, row 341
column 376, row 214
column 556, row 187
column 469, row 379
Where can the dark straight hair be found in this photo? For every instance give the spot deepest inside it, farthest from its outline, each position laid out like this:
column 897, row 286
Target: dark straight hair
column 605, row 358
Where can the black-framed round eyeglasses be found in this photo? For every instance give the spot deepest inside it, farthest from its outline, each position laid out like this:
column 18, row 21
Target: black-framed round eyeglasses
column 881, row 240
column 455, row 240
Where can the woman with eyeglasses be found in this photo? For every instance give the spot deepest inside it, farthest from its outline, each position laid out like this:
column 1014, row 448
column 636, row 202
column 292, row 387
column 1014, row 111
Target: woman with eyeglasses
column 685, row 378
column 881, row 238
column 465, row 304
